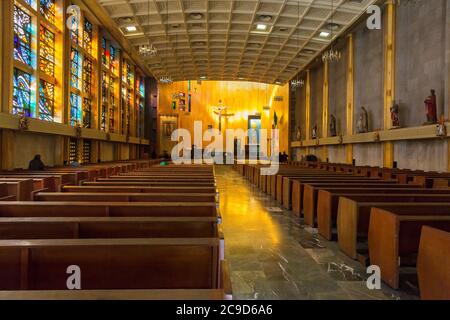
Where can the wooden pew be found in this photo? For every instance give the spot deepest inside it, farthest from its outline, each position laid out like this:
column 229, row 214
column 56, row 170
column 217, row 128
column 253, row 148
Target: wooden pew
column 149, row 263
column 40, row 182
column 157, row 179
column 284, row 184
column 433, row 264
column 394, row 237
column 137, row 189
column 4, row 193
column 328, row 201
column 354, row 217
column 287, row 185
column 126, row 197
column 224, row 292
column 149, row 183
column 22, row 189
column 107, row 209
column 108, row 227
column 298, row 195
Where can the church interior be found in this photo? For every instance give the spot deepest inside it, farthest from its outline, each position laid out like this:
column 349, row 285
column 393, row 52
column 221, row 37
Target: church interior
column 224, row 150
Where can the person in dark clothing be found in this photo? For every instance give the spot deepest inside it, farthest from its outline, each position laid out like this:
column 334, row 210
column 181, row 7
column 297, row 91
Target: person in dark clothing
column 36, row 164
column 284, row 157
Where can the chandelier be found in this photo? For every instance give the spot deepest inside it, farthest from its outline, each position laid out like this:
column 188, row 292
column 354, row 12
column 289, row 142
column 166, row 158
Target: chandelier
column 331, row 55
column 166, row 80
column 297, row 83
column 148, row 50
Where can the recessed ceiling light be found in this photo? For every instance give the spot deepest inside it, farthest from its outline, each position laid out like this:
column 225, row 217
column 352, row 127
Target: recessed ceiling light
column 203, row 77
column 261, row 27
column 126, row 19
column 324, row 34
column 240, row 78
column 131, row 29
column 333, row 26
column 277, row 82
column 265, row 18
column 308, row 51
column 196, row 15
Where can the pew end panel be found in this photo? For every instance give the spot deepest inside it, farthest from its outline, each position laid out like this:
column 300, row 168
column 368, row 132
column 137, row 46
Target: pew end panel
column 433, row 264
column 347, row 226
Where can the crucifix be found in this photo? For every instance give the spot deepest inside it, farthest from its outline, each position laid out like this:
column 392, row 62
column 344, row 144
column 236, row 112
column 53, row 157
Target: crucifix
column 221, row 112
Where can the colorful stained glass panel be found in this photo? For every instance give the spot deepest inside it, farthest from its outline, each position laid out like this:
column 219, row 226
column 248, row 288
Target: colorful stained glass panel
column 22, row 36
column 75, row 109
column 75, row 69
column 48, row 10
column 47, row 51
column 87, row 36
column 46, row 100
column 21, row 92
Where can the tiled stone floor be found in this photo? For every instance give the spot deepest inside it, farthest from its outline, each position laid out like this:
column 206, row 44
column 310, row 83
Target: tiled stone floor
column 272, row 255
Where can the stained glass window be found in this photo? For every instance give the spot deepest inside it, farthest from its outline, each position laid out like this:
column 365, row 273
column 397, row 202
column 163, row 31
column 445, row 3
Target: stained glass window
column 112, row 59
column 103, row 118
column 47, row 51
column 87, row 76
column 75, row 109
column 104, row 52
column 75, row 69
column 104, row 88
column 87, row 107
column 46, row 100
column 22, row 36
column 21, row 92
column 112, row 101
column 75, row 34
column 31, row 3
column 141, row 117
column 87, row 36
column 48, row 10
column 126, row 77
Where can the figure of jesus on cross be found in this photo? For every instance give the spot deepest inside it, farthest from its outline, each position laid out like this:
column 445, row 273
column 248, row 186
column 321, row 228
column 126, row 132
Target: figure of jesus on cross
column 221, row 112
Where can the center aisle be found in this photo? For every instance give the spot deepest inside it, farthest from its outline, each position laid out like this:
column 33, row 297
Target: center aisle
column 272, row 256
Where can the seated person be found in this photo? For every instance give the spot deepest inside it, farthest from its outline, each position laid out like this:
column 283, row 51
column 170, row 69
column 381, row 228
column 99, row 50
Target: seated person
column 36, row 164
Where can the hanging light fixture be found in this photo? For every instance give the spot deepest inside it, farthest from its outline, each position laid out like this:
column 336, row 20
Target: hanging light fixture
column 166, row 79
column 331, row 55
column 148, row 50
column 297, row 83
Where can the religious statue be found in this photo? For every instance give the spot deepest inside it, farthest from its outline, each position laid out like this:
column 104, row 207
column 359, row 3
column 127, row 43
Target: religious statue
column 314, row 132
column 394, row 115
column 333, row 126
column 431, row 108
column 298, row 136
column 362, row 125
column 441, row 130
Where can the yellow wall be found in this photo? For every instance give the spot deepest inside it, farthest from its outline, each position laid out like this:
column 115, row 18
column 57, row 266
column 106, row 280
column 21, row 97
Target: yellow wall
column 241, row 98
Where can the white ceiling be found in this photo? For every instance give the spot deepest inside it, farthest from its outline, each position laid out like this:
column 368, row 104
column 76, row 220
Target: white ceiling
column 221, row 43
